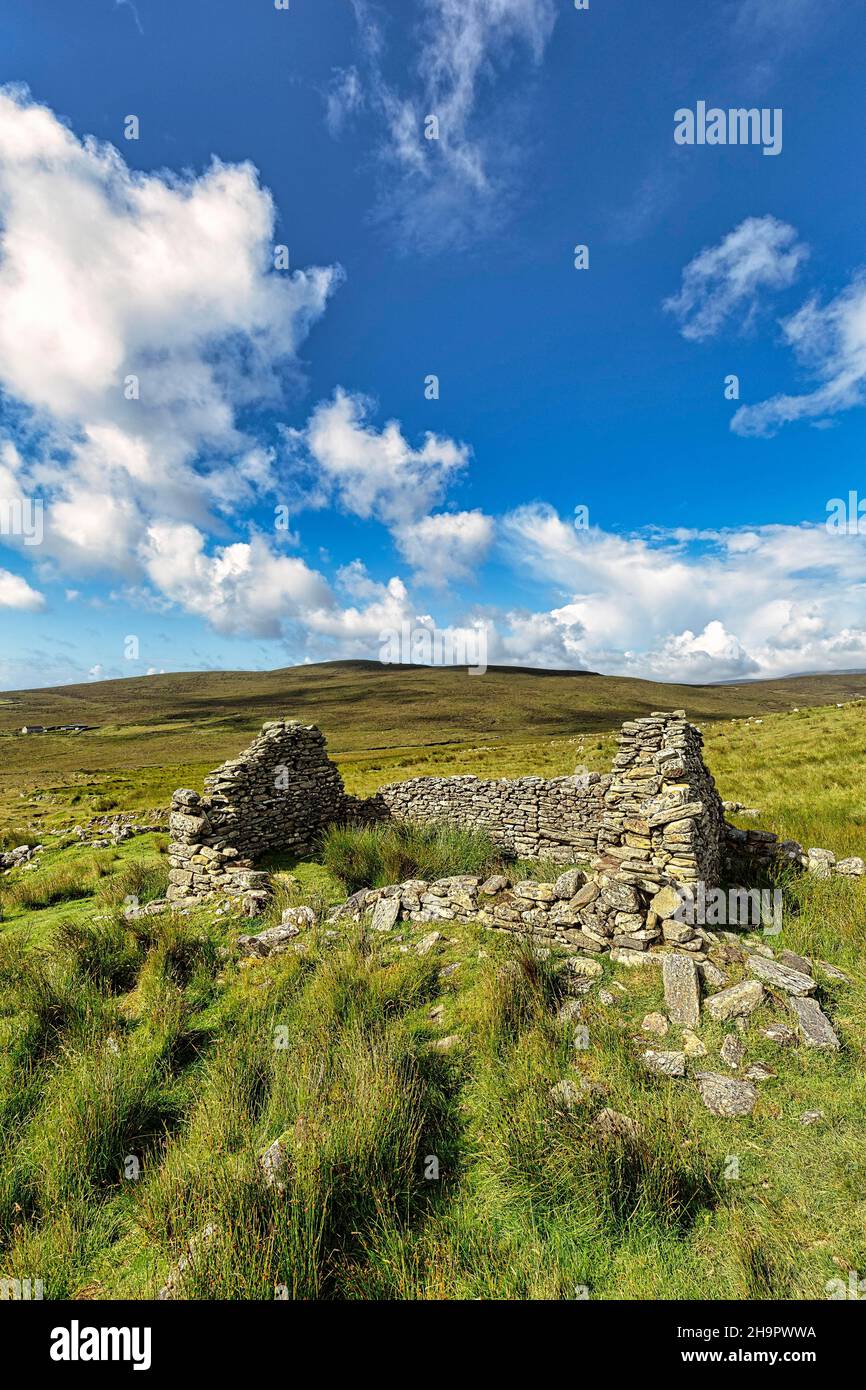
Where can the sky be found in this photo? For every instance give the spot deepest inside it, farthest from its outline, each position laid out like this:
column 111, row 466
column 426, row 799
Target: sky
column 298, row 350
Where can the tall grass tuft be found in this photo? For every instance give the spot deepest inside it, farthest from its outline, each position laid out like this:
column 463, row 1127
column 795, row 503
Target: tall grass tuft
column 373, row 856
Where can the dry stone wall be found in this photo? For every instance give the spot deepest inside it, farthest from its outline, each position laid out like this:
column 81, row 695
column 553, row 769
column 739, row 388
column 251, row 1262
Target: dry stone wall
column 656, row 819
column 278, row 794
column 658, row 813
column 529, row 817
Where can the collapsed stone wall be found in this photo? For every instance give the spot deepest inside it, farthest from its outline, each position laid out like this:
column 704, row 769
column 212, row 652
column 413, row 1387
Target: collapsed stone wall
column 657, row 813
column 278, row 795
column 655, row 819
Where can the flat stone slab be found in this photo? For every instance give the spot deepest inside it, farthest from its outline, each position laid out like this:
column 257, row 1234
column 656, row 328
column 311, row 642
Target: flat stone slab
column 682, row 990
column 692, row 1045
column 426, row 944
column 568, row 884
column 781, row 977
column 385, row 914
column 780, row 1034
column 759, row 1071
column 582, row 968
column 665, row 1063
column 725, row 1095
column 833, row 971
column 620, row 956
column 611, row 1124
column 795, row 962
column 814, row 1026
column 735, row 1002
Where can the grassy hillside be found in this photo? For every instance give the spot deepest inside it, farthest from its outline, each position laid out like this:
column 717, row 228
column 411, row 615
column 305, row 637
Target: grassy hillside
column 383, row 723
column 153, row 1041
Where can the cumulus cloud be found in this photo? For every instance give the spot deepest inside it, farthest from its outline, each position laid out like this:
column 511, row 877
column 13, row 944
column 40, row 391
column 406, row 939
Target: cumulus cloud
column 830, row 341
column 139, row 314
column 374, row 473
column 446, row 547
column 694, row 606
column 15, row 592
column 239, row 588
column 760, row 255
column 443, row 191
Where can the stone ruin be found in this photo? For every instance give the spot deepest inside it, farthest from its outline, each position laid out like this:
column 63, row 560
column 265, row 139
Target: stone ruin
column 654, row 821
column 278, row 795
column 646, row 831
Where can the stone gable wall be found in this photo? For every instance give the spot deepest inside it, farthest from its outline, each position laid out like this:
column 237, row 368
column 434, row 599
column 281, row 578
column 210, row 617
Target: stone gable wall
column 278, row 795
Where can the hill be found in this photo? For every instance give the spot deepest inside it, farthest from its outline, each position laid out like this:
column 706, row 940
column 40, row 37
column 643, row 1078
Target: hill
column 363, row 704
column 382, row 723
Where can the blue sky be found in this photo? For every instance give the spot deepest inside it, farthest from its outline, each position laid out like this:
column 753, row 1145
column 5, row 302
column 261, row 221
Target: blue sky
column 298, row 395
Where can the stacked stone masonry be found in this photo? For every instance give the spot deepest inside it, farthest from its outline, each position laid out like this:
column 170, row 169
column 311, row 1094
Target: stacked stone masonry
column 278, row 795
column 658, row 812
column 653, row 822
column 529, row 817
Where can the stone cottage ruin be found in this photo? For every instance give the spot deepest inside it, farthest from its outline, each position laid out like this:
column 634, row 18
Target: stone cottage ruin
column 654, row 820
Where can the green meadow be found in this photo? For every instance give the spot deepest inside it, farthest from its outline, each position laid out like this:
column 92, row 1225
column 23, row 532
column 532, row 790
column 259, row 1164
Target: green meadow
column 145, row 1067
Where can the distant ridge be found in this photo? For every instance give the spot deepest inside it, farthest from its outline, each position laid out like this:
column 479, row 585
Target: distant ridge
column 363, row 704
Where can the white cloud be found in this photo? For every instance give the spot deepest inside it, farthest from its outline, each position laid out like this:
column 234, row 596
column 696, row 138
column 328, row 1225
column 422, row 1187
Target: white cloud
column 831, row 341
column 15, row 592
column 445, row 547
column 240, row 588
column 376, row 474
column 133, row 8
column 106, row 274
column 760, row 254
column 345, row 97
column 769, row 600
column 443, row 191
column 373, row 473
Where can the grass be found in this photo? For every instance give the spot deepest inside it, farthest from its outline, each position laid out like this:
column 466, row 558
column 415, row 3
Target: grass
column 373, row 856
column 144, row 1071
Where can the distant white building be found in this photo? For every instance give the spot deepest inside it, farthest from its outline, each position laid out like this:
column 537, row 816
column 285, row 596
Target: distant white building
column 33, row 729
